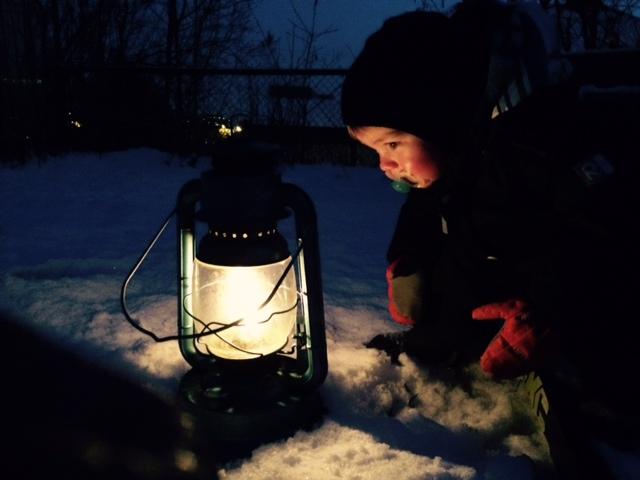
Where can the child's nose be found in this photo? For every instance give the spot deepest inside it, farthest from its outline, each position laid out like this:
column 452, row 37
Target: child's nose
column 387, row 163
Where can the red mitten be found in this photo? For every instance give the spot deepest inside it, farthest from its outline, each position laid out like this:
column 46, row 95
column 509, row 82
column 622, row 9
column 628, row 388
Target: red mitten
column 405, row 291
column 517, row 347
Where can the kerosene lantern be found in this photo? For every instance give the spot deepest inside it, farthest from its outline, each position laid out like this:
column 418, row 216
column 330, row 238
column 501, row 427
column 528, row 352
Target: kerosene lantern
column 249, row 306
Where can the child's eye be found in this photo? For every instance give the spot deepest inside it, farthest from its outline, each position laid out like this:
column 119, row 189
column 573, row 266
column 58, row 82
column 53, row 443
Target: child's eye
column 392, row 145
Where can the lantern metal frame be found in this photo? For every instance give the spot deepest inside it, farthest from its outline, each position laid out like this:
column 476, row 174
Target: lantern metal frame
column 307, row 369
column 276, row 391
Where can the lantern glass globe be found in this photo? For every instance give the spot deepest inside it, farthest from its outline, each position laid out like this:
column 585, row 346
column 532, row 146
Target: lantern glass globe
column 222, row 295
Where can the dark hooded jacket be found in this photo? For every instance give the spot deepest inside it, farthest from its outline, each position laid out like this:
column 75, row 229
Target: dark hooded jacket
column 536, row 204
column 546, row 214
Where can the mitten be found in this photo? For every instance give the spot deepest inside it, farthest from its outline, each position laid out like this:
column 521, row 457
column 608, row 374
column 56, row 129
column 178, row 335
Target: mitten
column 405, row 284
column 517, row 348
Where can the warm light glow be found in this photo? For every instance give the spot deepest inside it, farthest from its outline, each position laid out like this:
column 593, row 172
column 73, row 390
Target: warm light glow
column 222, row 295
column 224, row 131
column 186, row 461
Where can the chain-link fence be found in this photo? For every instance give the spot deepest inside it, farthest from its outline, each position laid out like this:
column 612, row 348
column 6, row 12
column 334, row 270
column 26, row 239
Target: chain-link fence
column 181, row 110
column 290, row 98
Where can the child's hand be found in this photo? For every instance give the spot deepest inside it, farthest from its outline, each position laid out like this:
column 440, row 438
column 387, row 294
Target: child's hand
column 518, row 347
column 405, row 290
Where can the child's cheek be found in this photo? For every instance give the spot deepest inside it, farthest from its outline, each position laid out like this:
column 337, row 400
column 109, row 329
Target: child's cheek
column 426, row 167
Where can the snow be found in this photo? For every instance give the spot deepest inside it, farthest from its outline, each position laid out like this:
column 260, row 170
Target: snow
column 72, row 227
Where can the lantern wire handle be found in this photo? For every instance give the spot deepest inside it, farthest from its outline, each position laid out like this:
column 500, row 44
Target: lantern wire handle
column 238, row 322
column 207, row 327
column 138, row 264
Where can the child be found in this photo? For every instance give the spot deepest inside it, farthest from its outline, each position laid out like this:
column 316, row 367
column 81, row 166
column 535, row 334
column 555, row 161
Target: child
column 517, row 209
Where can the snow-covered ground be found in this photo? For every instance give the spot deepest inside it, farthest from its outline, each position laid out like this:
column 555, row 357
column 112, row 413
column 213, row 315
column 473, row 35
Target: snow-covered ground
column 71, row 228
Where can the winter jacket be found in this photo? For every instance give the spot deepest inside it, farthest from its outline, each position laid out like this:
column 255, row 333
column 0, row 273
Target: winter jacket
column 543, row 211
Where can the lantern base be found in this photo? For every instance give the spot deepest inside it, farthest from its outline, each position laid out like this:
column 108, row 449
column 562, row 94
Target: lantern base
column 234, row 414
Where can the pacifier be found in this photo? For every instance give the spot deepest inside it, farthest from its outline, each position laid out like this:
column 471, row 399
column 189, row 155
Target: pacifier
column 400, row 186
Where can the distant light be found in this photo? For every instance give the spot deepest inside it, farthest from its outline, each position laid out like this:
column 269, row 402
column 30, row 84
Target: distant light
column 186, row 461
column 224, row 131
column 237, row 129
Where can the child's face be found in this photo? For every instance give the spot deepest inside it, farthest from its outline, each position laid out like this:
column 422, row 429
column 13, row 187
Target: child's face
column 403, row 156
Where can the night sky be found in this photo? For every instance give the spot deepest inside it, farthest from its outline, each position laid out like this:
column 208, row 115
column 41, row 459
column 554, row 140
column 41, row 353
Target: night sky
column 353, row 20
